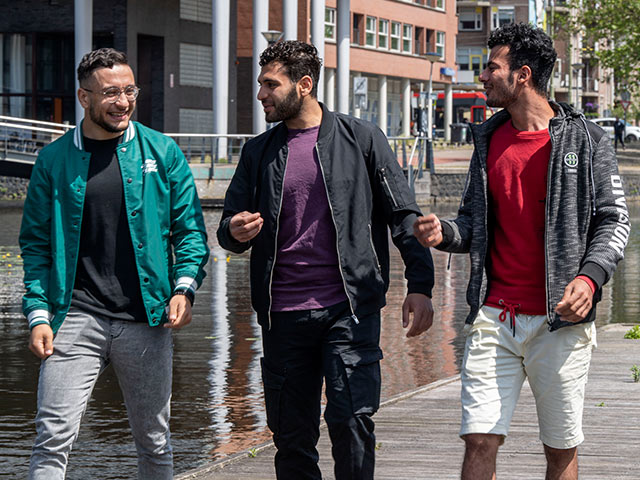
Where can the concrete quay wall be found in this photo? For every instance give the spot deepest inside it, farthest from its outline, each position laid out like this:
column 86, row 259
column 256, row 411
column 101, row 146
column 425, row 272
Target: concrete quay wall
column 437, row 187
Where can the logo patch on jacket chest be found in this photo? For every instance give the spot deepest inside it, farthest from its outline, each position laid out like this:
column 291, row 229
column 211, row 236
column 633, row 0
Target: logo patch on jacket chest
column 149, row 166
column 571, row 160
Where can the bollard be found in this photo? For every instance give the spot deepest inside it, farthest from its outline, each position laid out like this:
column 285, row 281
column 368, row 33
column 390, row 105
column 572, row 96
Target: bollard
column 430, row 160
column 411, row 179
column 404, row 154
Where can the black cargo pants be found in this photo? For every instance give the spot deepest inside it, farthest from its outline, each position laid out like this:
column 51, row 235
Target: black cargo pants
column 300, row 350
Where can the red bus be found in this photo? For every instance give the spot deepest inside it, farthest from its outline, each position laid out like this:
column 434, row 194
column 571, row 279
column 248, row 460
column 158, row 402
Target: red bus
column 467, row 107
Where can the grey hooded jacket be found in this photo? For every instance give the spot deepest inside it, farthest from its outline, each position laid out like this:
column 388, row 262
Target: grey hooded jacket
column 586, row 221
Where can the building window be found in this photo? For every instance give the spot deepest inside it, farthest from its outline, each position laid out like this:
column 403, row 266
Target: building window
column 196, row 65
column 439, row 4
column 407, row 37
column 42, row 89
column 395, row 36
column 418, row 41
column 470, row 20
column 471, row 62
column 501, row 16
column 440, row 38
column 196, row 10
column 358, row 22
column 330, row 23
column 383, row 34
column 370, row 32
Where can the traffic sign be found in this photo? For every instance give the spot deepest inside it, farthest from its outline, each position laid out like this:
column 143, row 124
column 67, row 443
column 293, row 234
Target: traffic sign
column 625, row 104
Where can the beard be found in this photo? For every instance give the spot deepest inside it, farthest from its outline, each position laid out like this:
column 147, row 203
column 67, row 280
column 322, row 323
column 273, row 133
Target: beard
column 288, row 108
column 99, row 120
column 502, row 95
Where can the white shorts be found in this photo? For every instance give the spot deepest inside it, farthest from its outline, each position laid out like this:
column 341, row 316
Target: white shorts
column 496, row 363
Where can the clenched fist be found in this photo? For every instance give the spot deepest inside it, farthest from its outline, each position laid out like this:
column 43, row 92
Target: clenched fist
column 428, row 230
column 244, row 226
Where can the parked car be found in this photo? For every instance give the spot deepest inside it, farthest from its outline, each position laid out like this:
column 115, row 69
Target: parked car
column 632, row 133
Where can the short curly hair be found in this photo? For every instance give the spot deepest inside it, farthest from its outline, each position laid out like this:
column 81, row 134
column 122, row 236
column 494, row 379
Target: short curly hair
column 100, row 58
column 530, row 46
column 298, row 58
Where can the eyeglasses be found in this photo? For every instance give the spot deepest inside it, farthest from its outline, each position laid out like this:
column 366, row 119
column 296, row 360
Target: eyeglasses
column 112, row 94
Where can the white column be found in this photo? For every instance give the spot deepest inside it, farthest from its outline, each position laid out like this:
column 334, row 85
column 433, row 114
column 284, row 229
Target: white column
column 357, row 112
column 448, row 111
column 83, row 33
column 330, row 89
column 430, row 104
column 289, row 19
column 344, row 43
column 260, row 24
column 382, row 103
column 406, row 107
column 317, row 39
column 220, row 39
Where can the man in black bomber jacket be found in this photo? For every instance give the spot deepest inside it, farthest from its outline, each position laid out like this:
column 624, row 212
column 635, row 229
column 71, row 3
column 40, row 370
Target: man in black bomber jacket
column 314, row 198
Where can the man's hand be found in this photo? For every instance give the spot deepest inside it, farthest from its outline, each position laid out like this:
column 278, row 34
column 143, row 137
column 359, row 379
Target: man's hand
column 428, row 230
column 41, row 340
column 422, row 309
column 244, row 226
column 576, row 301
column 179, row 312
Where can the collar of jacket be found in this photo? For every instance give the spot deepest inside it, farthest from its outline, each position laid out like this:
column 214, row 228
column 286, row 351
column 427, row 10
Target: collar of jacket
column 129, row 134
column 482, row 133
column 326, row 126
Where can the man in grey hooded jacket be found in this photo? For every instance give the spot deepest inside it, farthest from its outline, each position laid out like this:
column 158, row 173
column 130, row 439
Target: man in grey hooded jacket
column 545, row 222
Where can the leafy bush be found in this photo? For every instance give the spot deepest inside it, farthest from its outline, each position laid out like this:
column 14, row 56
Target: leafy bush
column 633, row 333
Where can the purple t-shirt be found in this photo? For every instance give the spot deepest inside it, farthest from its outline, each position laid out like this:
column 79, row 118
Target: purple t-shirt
column 306, row 274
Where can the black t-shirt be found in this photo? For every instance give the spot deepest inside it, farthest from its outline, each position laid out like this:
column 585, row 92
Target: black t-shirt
column 106, row 280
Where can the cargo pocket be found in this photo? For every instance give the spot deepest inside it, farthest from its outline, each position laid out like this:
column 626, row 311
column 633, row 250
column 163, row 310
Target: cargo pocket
column 362, row 368
column 272, row 389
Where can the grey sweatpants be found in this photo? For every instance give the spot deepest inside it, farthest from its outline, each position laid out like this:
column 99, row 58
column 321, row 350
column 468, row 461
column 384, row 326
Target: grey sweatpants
column 83, row 347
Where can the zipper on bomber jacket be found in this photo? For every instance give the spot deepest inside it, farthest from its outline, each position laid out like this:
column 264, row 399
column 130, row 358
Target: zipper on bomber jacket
column 335, row 226
column 383, row 172
column 373, row 249
column 275, row 248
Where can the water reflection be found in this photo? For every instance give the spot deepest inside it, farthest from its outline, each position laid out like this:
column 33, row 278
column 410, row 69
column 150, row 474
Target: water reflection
column 217, row 406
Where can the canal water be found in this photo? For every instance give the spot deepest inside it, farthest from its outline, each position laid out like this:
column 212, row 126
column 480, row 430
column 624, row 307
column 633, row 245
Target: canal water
column 217, row 406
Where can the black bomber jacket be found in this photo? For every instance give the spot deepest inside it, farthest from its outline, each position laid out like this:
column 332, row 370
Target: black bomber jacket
column 368, row 195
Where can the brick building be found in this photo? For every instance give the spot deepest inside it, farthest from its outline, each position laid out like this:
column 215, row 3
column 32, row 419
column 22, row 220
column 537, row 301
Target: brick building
column 577, row 77
column 169, row 47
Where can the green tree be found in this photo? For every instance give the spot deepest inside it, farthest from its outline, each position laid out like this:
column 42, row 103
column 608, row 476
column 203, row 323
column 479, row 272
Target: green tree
column 615, row 26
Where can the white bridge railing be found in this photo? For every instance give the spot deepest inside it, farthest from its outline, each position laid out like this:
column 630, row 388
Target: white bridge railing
column 22, row 139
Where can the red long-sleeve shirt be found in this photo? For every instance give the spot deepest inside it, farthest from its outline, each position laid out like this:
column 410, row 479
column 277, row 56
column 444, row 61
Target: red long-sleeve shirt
column 517, row 175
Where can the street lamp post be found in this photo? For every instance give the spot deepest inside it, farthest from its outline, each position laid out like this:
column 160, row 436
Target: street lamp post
column 272, row 36
column 431, row 57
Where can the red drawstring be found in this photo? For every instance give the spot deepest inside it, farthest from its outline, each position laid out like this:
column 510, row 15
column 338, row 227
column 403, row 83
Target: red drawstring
column 511, row 308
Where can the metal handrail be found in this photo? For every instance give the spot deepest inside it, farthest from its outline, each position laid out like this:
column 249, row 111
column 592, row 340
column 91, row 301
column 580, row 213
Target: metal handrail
column 210, row 150
column 64, row 126
column 31, row 129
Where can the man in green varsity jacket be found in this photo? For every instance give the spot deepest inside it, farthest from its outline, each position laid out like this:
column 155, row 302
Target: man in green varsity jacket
column 114, row 247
